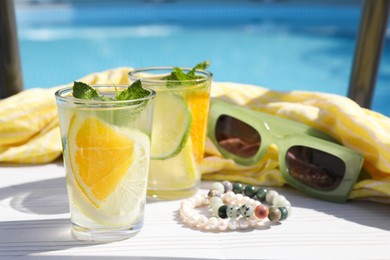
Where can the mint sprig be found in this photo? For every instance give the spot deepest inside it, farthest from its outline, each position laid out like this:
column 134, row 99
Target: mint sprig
column 178, row 76
column 84, row 91
column 200, row 66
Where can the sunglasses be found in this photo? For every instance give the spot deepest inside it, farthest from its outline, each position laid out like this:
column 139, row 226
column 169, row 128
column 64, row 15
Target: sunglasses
column 309, row 160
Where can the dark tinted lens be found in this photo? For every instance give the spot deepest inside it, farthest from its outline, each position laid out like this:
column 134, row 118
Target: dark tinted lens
column 315, row 168
column 237, row 137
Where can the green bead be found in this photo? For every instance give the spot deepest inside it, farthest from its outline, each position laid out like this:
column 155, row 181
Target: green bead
column 261, row 194
column 284, row 212
column 238, row 188
column 250, row 191
column 222, row 211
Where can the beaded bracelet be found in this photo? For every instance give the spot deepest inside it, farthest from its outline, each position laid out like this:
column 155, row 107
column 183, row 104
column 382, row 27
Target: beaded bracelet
column 234, row 206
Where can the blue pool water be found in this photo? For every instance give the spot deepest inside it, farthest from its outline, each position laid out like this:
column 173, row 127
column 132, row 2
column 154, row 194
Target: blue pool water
column 278, row 46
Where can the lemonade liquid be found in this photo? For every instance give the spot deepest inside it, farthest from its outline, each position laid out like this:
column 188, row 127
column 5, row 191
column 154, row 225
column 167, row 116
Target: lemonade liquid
column 178, row 135
column 106, row 151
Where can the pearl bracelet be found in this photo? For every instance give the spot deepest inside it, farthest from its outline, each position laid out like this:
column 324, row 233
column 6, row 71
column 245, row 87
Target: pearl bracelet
column 234, row 206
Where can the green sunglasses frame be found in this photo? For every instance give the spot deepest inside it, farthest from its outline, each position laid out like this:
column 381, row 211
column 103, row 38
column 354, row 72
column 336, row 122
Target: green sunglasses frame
column 285, row 133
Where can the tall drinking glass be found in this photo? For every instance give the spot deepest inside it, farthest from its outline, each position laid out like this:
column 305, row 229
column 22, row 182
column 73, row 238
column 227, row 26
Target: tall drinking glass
column 106, row 151
column 179, row 130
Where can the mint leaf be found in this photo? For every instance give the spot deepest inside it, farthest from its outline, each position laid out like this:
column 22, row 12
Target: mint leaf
column 200, row 66
column 177, row 74
column 134, row 91
column 84, row 91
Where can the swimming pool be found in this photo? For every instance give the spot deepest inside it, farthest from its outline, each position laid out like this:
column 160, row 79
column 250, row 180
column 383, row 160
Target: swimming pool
column 287, row 45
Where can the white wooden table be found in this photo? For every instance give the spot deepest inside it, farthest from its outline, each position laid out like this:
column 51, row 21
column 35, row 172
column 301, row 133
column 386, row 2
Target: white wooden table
column 34, row 222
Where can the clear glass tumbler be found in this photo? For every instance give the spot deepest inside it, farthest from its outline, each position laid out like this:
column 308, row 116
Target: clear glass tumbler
column 179, row 130
column 106, row 151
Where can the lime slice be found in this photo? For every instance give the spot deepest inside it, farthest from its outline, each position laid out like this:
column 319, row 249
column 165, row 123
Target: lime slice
column 171, row 125
column 182, row 170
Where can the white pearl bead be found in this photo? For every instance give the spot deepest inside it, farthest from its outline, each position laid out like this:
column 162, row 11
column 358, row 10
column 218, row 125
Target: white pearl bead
column 192, row 201
column 193, row 220
column 222, row 224
column 237, row 200
column 229, row 196
column 198, row 200
column 286, row 203
column 255, row 204
column 233, row 224
column 212, row 223
column 189, row 202
column 270, row 196
column 218, row 186
column 245, row 200
column 186, row 211
column 202, row 221
column 252, row 221
column 243, row 223
column 183, row 203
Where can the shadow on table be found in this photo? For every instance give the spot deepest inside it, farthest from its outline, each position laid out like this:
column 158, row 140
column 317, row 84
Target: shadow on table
column 29, row 237
column 25, row 238
column 46, row 197
column 367, row 213
column 21, row 238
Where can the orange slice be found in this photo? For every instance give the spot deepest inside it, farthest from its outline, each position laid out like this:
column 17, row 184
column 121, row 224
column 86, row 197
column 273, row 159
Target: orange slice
column 100, row 157
column 199, row 106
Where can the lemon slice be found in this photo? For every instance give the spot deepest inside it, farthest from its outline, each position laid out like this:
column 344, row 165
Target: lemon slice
column 171, row 125
column 109, row 167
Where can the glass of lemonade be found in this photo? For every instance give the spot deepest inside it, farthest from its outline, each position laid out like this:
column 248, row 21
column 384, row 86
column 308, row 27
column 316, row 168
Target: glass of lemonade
column 179, row 130
column 106, row 151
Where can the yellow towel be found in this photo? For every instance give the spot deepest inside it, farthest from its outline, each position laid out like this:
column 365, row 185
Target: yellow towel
column 29, row 131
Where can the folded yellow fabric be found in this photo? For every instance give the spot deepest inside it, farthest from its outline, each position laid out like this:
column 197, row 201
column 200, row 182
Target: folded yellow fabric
column 29, row 127
column 29, row 131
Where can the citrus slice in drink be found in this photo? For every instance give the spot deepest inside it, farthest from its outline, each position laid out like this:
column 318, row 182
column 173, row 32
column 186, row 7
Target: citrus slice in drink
column 100, row 157
column 199, row 105
column 182, row 171
column 109, row 167
column 171, row 125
